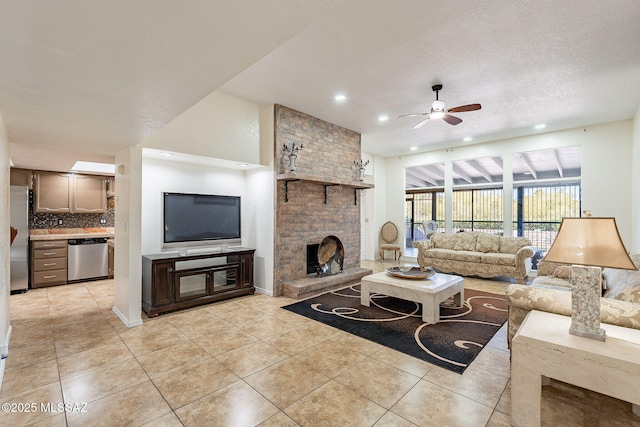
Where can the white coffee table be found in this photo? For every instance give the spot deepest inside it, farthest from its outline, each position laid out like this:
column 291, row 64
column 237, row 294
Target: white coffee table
column 429, row 292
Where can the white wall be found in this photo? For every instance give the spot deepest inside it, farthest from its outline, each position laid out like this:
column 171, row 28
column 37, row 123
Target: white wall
column 160, row 175
column 5, row 277
column 254, row 187
column 220, row 126
column 606, row 170
column 635, row 189
column 127, row 262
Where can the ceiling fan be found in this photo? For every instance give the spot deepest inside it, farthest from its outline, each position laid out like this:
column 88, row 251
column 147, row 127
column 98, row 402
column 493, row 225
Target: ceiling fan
column 438, row 111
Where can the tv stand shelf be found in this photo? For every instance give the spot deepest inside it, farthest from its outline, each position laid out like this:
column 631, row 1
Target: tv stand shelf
column 173, row 282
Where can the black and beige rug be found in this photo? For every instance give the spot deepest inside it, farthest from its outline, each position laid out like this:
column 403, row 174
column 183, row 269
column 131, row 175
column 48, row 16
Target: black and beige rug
column 452, row 343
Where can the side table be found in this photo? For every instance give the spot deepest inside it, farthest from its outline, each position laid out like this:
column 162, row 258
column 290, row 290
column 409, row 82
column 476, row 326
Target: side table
column 543, row 347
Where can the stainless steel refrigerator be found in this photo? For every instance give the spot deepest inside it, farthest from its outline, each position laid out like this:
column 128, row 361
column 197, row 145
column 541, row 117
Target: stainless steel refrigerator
column 19, row 214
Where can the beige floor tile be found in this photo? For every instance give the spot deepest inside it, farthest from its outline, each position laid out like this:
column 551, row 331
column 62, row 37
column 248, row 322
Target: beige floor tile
column 245, row 315
column 167, row 420
column 286, row 382
column 131, row 407
column 279, row 420
column 402, row 361
column 88, row 341
column 557, row 410
column 30, row 314
column 295, row 340
column 68, row 331
column 102, row 382
column 35, row 398
column 427, row 404
column 251, row 358
column 499, row 340
column 38, row 351
column 153, row 339
column 392, row 420
column 19, row 380
column 221, row 408
column 193, row 382
column 478, row 384
column 222, row 341
column 334, row 405
column 498, row 419
column 378, row 382
column 356, row 343
column 94, row 358
column 172, row 358
column 266, row 326
column 330, row 359
column 75, row 317
column 495, row 360
column 58, row 420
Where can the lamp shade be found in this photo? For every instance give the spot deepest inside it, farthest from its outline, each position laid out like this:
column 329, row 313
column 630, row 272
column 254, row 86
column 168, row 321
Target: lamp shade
column 590, row 241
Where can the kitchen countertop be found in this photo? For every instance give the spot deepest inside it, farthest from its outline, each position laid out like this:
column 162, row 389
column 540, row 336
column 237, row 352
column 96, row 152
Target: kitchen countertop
column 70, row 233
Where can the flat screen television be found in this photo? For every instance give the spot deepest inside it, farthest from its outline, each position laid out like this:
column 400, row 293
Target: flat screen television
column 200, row 219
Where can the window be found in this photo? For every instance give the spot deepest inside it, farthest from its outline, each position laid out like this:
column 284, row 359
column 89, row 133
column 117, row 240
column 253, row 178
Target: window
column 478, row 210
column 422, row 207
column 538, row 211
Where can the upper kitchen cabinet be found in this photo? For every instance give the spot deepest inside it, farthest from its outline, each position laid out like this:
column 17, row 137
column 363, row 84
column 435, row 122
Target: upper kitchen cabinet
column 52, row 192
column 90, row 195
column 21, row 177
column 72, row 193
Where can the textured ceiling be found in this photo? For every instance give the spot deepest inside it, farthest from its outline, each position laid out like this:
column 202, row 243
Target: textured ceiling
column 85, row 79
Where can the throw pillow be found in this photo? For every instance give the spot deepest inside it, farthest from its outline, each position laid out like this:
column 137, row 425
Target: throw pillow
column 562, row 272
column 465, row 241
column 488, row 243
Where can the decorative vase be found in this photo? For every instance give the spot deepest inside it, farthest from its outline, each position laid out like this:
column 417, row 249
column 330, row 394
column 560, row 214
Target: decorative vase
column 361, row 174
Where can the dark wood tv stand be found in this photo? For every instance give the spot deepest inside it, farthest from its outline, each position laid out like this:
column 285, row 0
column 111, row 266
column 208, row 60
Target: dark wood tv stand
column 173, row 282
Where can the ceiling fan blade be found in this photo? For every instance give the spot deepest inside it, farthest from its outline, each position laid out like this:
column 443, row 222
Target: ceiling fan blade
column 463, row 108
column 420, row 124
column 452, row 120
column 413, row 115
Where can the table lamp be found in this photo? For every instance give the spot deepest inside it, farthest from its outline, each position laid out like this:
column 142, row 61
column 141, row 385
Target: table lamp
column 588, row 244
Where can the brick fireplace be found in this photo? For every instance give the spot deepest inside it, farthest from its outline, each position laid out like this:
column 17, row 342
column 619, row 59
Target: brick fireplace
column 321, row 198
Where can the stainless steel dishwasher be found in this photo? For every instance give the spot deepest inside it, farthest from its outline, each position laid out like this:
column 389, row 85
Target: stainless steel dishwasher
column 87, row 259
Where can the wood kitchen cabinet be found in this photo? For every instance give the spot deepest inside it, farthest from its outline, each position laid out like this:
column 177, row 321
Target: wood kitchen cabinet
column 21, row 177
column 90, row 194
column 57, row 192
column 48, row 263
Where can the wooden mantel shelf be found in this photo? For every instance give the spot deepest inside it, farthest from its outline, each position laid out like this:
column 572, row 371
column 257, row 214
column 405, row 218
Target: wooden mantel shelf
column 301, row 177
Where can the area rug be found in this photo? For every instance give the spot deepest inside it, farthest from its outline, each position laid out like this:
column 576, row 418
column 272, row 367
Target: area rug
column 453, row 343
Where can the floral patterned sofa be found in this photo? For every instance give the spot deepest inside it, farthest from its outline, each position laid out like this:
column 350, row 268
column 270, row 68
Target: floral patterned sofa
column 551, row 292
column 477, row 254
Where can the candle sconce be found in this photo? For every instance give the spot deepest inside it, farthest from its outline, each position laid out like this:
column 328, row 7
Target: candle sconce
column 360, row 165
column 292, row 153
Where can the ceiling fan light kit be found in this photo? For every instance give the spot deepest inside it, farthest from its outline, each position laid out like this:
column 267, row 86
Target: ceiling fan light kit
column 438, row 111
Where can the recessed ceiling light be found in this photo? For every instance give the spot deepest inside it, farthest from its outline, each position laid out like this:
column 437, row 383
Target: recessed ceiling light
column 166, row 154
column 413, row 148
column 541, row 126
column 467, row 139
column 243, row 165
column 340, row 98
column 383, row 118
column 82, row 166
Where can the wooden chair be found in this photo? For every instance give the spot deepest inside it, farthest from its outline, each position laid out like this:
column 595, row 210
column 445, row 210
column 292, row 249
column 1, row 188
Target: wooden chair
column 389, row 234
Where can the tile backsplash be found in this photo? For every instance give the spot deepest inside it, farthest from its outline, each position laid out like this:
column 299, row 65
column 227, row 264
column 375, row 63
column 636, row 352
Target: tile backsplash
column 69, row 220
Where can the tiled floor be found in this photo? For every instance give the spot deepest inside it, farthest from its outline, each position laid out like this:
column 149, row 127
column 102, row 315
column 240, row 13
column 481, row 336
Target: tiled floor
column 247, row 362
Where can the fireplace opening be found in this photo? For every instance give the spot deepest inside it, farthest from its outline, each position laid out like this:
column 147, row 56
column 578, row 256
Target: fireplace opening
column 312, row 258
column 328, row 258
